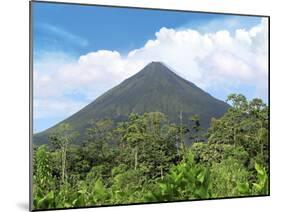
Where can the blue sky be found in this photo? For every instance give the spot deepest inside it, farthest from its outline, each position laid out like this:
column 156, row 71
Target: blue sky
column 93, row 28
column 63, row 33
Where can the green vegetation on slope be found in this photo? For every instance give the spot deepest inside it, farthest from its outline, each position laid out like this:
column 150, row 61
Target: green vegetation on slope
column 145, row 159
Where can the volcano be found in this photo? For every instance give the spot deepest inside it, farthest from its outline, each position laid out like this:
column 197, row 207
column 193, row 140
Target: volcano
column 154, row 88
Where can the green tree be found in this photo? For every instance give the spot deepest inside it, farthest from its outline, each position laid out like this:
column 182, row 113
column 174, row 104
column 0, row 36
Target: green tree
column 196, row 130
column 61, row 138
column 43, row 180
column 208, row 154
column 146, row 143
column 184, row 181
column 260, row 187
column 145, row 159
column 244, row 124
column 100, row 144
column 226, row 176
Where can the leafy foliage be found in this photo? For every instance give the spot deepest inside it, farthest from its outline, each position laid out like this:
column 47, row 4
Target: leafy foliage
column 43, row 181
column 146, row 159
column 230, row 171
column 186, row 180
column 258, row 188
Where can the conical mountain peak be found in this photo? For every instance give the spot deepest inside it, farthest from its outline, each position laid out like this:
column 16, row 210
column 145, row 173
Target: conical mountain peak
column 156, row 66
column 153, row 71
column 154, row 88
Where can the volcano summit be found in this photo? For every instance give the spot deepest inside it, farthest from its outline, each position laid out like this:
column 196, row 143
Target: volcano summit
column 154, row 88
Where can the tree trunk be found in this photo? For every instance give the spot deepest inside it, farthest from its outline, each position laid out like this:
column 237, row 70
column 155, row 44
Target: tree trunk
column 181, row 136
column 177, row 144
column 260, row 138
column 136, row 158
column 63, row 167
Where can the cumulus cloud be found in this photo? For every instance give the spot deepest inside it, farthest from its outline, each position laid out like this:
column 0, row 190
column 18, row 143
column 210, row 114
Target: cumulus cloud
column 218, row 59
column 55, row 108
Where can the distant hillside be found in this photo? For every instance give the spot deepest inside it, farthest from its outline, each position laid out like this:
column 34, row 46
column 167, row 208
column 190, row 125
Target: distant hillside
column 154, row 88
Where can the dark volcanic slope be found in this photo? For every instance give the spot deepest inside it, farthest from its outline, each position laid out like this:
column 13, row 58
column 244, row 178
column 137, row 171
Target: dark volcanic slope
column 154, row 88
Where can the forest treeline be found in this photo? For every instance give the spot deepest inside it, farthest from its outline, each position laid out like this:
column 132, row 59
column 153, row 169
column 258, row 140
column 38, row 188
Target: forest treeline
column 145, row 159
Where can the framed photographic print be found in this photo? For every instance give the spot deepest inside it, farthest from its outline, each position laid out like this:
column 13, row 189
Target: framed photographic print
column 138, row 105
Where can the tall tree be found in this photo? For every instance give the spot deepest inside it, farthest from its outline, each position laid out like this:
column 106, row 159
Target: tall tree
column 61, row 138
column 244, row 124
column 196, row 130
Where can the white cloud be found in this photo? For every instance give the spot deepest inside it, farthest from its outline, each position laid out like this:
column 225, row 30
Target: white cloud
column 218, row 59
column 55, row 108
